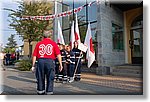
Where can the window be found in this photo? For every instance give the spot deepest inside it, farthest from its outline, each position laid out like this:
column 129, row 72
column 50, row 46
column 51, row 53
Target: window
column 86, row 15
column 66, row 35
column 117, row 37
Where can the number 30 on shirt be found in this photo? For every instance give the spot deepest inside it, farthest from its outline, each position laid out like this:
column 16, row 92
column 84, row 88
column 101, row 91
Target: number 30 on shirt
column 45, row 49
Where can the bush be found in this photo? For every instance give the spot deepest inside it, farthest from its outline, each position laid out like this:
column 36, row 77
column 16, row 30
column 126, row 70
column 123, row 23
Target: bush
column 25, row 65
column 16, row 61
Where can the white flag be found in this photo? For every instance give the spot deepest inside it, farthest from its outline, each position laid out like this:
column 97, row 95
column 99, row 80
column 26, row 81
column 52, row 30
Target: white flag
column 82, row 47
column 77, row 35
column 60, row 38
column 72, row 37
column 88, row 42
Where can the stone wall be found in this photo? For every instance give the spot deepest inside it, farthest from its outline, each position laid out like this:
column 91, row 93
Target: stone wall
column 106, row 55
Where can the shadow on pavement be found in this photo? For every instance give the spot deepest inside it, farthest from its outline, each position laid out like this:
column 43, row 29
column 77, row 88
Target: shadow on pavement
column 20, row 79
column 7, row 90
column 26, row 74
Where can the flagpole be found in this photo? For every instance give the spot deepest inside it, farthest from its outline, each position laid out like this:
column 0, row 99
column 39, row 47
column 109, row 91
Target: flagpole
column 55, row 22
column 73, row 9
column 73, row 16
column 87, row 13
column 86, row 21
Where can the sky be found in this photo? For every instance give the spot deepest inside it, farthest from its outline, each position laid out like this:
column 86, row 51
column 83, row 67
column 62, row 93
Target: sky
column 5, row 30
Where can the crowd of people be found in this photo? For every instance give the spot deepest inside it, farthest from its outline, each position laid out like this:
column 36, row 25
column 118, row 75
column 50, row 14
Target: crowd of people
column 55, row 62
column 9, row 58
column 71, row 61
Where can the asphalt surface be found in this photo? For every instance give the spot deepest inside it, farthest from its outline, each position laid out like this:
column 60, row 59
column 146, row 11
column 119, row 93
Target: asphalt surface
column 17, row 82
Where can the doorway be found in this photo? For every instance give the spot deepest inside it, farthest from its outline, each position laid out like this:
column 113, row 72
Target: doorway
column 136, row 41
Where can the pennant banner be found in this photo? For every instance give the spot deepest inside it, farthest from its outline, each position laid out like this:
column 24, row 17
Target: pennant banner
column 63, row 14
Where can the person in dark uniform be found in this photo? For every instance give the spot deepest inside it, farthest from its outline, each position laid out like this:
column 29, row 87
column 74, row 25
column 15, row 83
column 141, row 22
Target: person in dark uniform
column 70, row 64
column 78, row 55
column 45, row 52
column 63, row 73
column 68, row 60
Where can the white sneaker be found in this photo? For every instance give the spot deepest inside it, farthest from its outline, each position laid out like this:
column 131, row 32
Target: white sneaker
column 64, row 82
column 49, row 93
column 71, row 80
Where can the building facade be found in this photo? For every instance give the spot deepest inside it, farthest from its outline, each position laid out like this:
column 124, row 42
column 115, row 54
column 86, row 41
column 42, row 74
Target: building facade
column 117, row 30
column 119, row 34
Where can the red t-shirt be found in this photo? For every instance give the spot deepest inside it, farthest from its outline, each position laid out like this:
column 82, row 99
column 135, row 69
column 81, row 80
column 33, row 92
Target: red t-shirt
column 46, row 49
column 12, row 55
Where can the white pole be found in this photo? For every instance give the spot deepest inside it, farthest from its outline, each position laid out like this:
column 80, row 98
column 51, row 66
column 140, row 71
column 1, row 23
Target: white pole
column 55, row 22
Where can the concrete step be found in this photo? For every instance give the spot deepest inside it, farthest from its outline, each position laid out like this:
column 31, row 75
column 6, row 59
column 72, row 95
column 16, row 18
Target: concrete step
column 128, row 70
column 133, row 67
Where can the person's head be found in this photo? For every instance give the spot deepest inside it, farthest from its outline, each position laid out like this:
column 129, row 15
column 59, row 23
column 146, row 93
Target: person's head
column 65, row 47
column 68, row 48
column 61, row 46
column 58, row 44
column 47, row 34
column 75, row 44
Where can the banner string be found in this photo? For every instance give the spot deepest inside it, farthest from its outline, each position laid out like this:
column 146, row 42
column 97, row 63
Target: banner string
column 62, row 14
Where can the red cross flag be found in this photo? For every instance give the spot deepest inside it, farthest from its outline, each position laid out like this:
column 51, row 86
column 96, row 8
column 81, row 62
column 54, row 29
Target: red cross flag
column 77, row 35
column 88, row 42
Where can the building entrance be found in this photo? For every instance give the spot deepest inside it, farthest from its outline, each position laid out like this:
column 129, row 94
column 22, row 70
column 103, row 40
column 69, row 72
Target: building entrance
column 136, row 41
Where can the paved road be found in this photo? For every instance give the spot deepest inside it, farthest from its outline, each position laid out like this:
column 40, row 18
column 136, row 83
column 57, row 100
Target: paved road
column 23, row 83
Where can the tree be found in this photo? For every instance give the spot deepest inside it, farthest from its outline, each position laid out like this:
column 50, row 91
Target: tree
column 11, row 45
column 30, row 30
column 11, row 42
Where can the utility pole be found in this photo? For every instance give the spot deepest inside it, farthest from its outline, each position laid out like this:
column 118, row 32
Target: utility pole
column 87, row 13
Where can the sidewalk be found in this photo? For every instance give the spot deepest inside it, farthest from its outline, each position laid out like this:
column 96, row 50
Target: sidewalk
column 23, row 83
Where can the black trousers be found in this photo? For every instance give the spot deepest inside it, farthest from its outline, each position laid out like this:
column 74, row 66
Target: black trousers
column 45, row 67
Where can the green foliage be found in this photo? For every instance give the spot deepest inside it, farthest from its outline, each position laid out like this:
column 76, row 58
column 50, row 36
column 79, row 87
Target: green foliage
column 11, row 45
column 30, row 30
column 25, row 65
column 11, row 42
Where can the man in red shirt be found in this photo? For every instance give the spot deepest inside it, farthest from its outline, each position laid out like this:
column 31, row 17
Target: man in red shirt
column 45, row 52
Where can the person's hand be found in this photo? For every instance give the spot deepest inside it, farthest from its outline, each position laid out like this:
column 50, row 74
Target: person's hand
column 60, row 68
column 33, row 69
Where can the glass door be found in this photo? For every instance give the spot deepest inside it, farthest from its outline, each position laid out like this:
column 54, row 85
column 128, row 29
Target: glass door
column 136, row 45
